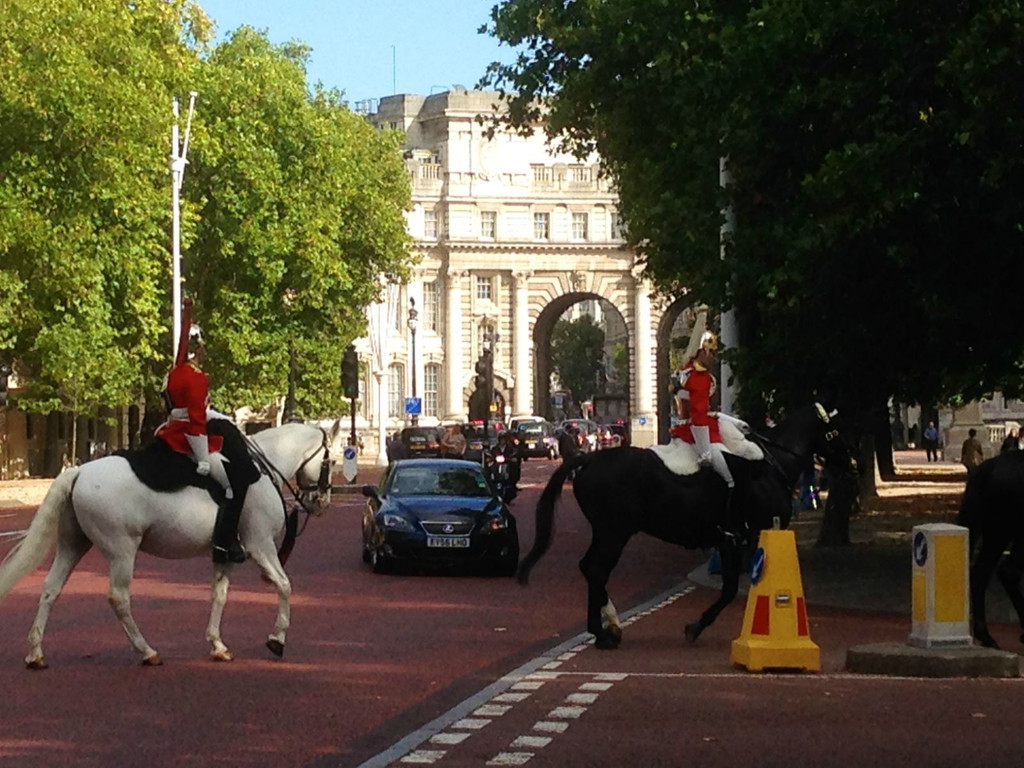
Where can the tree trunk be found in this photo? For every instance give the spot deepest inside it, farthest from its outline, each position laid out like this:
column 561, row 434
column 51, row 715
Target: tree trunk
column 883, row 444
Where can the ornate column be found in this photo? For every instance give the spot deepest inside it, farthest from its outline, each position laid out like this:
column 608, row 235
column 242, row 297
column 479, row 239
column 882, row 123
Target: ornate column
column 455, row 408
column 521, row 347
column 644, row 427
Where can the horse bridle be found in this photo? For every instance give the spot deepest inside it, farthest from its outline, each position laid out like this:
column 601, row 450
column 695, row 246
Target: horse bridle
column 830, row 435
column 323, row 483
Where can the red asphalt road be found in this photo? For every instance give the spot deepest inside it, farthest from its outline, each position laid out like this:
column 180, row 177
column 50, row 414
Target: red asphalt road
column 369, row 658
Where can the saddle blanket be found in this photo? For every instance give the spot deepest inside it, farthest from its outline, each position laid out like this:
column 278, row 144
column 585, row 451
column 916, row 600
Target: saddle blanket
column 681, row 457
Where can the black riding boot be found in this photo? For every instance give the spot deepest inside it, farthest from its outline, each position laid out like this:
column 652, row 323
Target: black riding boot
column 226, row 546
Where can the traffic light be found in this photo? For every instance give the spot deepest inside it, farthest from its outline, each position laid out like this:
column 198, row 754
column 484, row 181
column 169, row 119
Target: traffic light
column 350, row 372
column 5, row 371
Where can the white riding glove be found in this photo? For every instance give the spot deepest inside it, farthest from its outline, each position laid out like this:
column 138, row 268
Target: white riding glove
column 207, row 463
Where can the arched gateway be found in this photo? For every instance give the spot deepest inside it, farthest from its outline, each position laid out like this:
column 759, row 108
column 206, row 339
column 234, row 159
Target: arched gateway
column 509, row 234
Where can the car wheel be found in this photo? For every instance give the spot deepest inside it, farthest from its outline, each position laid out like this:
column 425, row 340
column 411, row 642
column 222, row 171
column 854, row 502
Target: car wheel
column 379, row 562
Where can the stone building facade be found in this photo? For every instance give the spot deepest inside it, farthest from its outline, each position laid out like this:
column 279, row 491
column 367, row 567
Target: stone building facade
column 509, row 234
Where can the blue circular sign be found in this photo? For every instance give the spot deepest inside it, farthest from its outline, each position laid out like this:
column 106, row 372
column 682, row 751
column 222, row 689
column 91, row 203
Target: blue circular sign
column 757, row 566
column 350, row 452
column 920, row 549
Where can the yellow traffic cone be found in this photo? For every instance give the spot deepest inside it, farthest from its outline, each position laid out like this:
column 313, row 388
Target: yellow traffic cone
column 775, row 632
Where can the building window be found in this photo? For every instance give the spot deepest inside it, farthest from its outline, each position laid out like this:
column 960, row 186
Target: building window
column 486, row 337
column 430, row 224
column 396, row 391
column 541, row 226
column 483, row 288
column 488, row 224
column 431, row 300
column 431, row 373
column 579, row 226
column 617, row 227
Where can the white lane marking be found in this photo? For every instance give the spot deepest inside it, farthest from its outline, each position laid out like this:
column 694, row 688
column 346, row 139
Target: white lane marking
column 471, row 723
column 550, row 726
column 424, row 756
column 449, row 738
column 567, row 656
column 566, row 713
column 531, row 742
column 613, row 676
column 581, row 698
column 492, row 710
column 528, row 685
column 510, row 758
column 552, row 665
column 595, row 686
column 511, row 698
column 456, row 717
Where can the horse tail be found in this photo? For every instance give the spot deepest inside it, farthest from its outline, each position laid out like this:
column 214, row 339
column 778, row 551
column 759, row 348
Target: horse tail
column 546, row 516
column 41, row 536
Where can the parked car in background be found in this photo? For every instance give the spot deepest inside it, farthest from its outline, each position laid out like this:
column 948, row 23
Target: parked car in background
column 613, row 435
column 537, row 440
column 586, row 432
column 478, row 439
column 515, row 423
column 438, row 512
column 421, row 443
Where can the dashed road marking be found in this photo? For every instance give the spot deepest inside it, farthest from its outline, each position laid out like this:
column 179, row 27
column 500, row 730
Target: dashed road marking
column 495, row 700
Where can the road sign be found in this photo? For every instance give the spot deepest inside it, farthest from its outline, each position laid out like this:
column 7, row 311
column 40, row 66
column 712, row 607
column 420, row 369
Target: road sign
column 350, row 467
column 414, row 406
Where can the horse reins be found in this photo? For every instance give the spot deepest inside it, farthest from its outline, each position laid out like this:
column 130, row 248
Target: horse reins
column 268, row 468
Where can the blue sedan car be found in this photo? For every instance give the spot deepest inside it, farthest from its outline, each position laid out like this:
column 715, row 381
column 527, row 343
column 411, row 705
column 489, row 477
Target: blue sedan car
column 438, row 512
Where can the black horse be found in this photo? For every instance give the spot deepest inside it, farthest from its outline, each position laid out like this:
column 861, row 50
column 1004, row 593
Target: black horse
column 993, row 510
column 628, row 490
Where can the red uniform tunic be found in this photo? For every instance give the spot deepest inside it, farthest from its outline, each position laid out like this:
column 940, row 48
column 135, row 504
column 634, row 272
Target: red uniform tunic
column 699, row 383
column 188, row 391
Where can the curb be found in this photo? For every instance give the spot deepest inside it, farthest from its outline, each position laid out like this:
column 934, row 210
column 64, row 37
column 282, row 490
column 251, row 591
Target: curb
column 904, row 660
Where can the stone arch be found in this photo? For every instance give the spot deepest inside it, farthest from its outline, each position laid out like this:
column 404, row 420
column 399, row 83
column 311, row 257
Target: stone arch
column 550, row 296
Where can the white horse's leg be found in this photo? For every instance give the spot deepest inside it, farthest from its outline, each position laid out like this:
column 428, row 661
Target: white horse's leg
column 122, row 567
column 70, row 550
column 272, row 569
column 221, row 582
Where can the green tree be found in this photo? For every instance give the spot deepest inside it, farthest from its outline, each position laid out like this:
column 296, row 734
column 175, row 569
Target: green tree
column 297, row 206
column 873, row 149
column 84, row 91
column 576, row 347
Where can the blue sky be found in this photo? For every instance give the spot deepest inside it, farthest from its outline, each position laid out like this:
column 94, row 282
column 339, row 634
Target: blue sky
column 373, row 48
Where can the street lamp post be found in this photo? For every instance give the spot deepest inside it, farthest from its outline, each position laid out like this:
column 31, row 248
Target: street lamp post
column 414, row 321
column 289, row 401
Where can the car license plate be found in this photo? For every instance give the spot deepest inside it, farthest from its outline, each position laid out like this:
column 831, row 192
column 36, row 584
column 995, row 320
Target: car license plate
column 448, row 542
column 531, row 445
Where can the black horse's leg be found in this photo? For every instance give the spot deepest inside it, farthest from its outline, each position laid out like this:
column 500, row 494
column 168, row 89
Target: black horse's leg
column 1009, row 572
column 597, row 565
column 981, row 573
column 731, row 556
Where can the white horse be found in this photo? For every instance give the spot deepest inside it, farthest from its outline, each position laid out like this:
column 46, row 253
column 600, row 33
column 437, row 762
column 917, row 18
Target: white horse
column 104, row 503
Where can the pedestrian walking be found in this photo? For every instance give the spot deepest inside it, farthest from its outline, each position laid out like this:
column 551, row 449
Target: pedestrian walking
column 971, row 454
column 931, row 442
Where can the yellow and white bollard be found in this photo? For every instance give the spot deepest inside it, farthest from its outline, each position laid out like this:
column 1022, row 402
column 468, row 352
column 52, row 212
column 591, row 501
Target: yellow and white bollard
column 775, row 631
column 940, row 587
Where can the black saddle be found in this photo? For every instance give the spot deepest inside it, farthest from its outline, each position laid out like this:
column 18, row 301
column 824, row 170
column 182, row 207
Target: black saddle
column 163, row 469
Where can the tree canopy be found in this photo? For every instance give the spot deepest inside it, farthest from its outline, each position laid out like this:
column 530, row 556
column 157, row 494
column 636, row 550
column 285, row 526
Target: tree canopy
column 287, row 194
column 576, row 356
column 874, row 153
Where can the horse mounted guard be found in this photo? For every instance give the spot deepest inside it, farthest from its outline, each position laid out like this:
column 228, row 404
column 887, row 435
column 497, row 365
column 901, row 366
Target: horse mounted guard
column 154, row 501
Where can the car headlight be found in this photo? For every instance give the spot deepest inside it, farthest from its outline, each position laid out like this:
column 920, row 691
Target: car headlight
column 395, row 522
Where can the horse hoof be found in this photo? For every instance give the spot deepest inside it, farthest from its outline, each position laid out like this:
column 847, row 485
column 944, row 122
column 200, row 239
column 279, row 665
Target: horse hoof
column 224, row 655
column 693, row 631
column 36, row 663
column 276, row 647
column 608, row 639
column 153, row 661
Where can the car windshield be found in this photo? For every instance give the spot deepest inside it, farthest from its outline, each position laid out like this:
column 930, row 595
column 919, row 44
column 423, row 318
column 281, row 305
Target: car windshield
column 439, row 481
column 537, row 428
